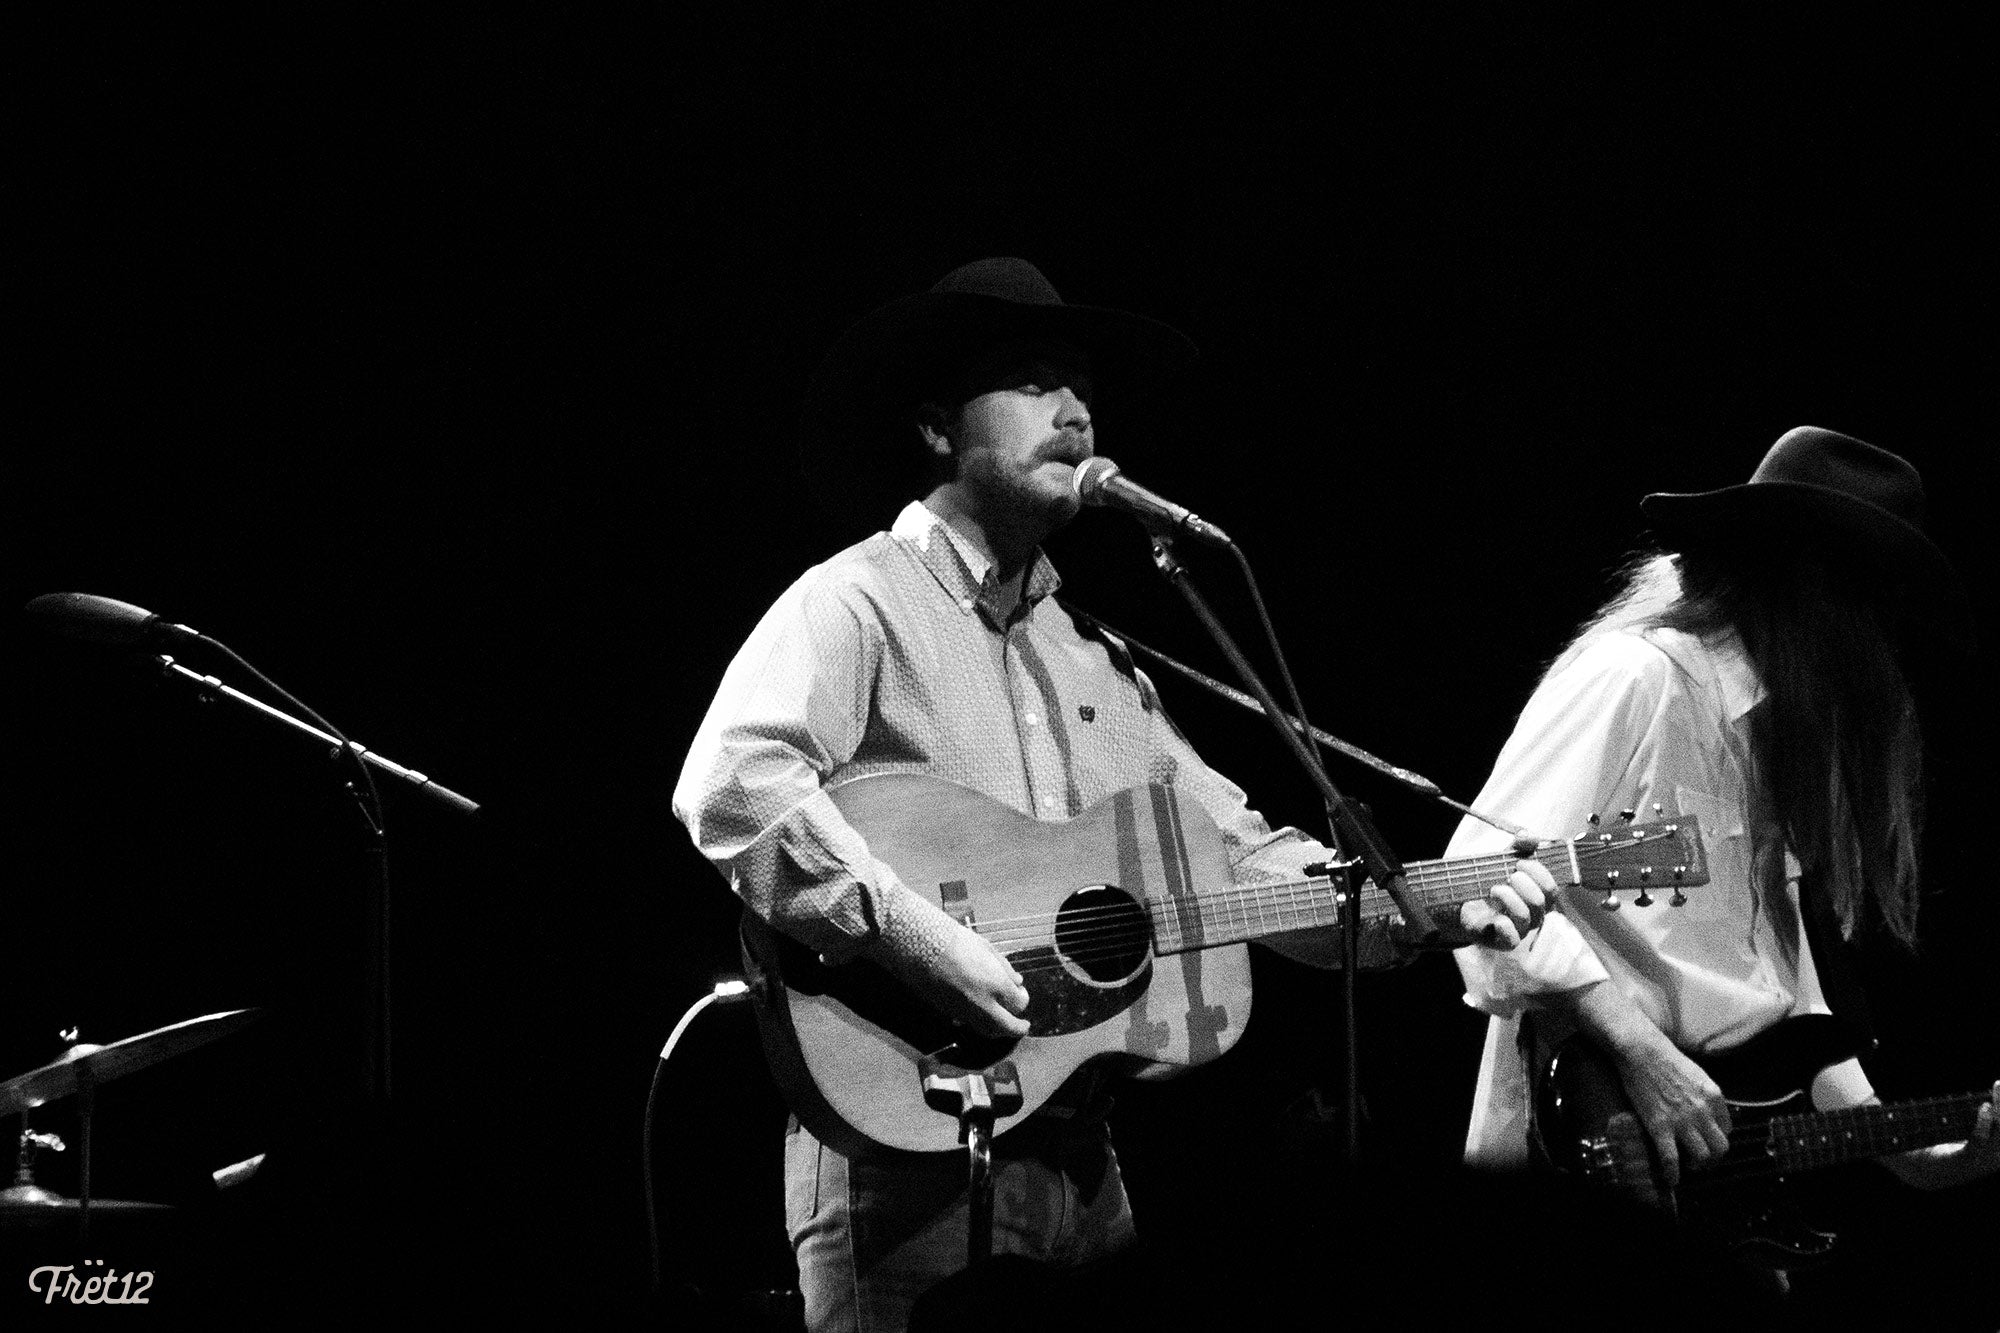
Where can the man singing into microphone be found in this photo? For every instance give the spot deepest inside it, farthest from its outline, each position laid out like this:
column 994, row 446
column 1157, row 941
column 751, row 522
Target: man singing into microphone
column 937, row 648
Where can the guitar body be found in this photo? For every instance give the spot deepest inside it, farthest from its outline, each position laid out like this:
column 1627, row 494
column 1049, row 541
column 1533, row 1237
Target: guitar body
column 1584, row 1124
column 1068, row 903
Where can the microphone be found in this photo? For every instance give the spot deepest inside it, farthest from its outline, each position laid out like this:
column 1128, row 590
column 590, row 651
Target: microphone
column 1099, row 481
column 82, row 615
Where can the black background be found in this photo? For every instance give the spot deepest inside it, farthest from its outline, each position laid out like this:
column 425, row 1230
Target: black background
column 448, row 371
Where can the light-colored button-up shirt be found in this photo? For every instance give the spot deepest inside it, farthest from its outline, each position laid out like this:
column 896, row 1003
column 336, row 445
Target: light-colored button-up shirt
column 1635, row 720
column 893, row 657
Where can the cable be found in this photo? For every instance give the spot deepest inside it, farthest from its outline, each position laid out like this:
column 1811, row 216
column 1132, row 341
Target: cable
column 729, row 991
column 367, row 794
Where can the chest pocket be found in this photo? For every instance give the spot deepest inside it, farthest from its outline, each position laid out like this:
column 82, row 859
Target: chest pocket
column 1729, row 901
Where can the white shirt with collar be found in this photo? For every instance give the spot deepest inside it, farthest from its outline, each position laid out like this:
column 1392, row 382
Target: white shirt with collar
column 1652, row 721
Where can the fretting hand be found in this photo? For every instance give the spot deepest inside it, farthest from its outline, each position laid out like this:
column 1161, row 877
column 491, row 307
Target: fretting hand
column 1512, row 910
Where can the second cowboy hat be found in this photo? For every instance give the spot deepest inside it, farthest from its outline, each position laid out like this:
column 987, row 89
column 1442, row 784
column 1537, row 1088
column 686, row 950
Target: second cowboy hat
column 858, row 443
column 1842, row 498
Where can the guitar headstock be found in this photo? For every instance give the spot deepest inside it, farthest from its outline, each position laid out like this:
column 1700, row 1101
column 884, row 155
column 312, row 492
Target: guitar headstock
column 1666, row 853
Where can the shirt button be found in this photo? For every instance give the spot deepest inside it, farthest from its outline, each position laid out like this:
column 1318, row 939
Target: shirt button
column 1048, row 801
column 1028, row 718
column 965, row 603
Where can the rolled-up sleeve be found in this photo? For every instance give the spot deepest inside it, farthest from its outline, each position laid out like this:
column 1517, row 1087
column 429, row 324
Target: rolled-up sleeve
column 1587, row 743
column 792, row 707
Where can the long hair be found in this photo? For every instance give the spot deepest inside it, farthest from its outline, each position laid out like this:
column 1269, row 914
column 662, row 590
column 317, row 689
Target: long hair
column 1836, row 752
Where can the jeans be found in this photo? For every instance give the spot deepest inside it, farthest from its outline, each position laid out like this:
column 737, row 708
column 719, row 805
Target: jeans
column 873, row 1233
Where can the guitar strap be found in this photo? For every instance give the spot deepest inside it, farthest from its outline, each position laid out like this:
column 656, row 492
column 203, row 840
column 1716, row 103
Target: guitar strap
column 1835, row 964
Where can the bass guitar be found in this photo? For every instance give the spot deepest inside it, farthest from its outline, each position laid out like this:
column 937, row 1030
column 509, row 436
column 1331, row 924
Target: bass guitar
column 1125, row 925
column 1585, row 1125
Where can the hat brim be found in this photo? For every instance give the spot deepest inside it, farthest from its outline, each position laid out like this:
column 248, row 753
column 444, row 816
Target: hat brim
column 858, row 446
column 1830, row 523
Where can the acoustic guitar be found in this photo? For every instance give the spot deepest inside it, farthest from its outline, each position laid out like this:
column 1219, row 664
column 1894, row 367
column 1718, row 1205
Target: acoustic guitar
column 1125, row 925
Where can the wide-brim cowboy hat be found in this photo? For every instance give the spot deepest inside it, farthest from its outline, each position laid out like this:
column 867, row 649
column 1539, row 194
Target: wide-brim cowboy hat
column 858, row 441
column 1836, row 497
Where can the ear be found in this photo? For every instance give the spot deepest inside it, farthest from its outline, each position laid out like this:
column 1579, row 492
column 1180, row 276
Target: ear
column 932, row 424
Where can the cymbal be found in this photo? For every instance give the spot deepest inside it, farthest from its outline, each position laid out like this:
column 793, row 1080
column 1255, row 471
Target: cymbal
column 26, row 1208
column 59, row 1078
column 55, row 1205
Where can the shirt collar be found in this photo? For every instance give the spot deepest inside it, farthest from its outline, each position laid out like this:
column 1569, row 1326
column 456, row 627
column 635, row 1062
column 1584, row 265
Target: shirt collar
column 1741, row 690
column 960, row 569
column 1719, row 660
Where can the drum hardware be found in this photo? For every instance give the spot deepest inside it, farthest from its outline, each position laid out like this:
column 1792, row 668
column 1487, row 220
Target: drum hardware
column 77, row 1072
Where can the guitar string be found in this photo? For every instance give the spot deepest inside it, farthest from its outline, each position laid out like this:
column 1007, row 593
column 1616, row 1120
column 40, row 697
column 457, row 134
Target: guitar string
column 1792, row 1143
column 1445, row 885
column 1825, row 1138
column 1095, row 929
column 1094, row 934
column 1250, row 910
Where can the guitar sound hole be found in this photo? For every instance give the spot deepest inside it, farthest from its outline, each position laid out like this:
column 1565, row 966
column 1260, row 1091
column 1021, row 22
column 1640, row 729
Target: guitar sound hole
column 1103, row 933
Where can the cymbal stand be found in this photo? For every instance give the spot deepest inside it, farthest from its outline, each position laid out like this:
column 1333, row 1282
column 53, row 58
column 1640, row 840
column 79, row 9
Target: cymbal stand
column 977, row 1097
column 86, row 1105
column 24, row 1189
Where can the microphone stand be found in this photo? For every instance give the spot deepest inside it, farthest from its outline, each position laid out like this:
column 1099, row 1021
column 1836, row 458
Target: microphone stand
column 1349, row 825
column 376, row 1081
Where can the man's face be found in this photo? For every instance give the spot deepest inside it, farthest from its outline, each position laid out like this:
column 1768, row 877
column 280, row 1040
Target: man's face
column 1023, row 427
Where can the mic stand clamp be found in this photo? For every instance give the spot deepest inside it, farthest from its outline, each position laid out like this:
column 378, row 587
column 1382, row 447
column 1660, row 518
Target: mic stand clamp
column 977, row 1097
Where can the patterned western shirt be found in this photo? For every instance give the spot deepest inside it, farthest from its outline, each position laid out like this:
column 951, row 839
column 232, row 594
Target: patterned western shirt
column 893, row 657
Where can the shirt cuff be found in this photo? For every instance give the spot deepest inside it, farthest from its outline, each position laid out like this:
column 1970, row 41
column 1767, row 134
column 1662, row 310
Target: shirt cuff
column 1554, row 958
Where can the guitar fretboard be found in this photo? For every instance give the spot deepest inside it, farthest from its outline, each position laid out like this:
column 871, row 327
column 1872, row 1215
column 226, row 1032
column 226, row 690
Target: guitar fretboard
column 1248, row 912
column 1829, row 1138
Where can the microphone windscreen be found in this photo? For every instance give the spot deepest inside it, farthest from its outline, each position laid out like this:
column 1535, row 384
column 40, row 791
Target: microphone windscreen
column 1091, row 474
column 82, row 615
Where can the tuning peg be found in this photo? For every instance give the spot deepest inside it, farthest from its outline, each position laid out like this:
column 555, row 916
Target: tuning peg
column 1658, row 809
column 1593, row 819
column 1679, row 897
column 1610, row 903
column 1627, row 816
column 1644, row 899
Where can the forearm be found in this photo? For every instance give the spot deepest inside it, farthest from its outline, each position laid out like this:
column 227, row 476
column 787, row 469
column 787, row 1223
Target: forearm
column 1611, row 1018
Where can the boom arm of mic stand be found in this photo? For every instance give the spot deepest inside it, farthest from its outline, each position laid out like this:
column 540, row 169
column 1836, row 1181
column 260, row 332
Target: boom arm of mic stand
column 210, row 687
column 1352, row 828
column 376, row 1055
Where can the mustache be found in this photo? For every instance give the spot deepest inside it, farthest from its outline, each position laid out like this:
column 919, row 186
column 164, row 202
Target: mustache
column 1067, row 447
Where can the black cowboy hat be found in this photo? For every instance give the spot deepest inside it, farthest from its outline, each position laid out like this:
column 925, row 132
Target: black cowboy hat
column 1838, row 497
column 858, row 441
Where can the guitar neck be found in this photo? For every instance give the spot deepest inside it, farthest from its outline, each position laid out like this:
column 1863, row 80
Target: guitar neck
column 1249, row 912
column 1829, row 1138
